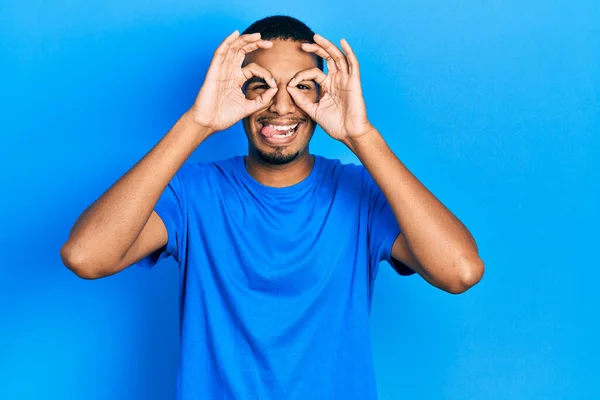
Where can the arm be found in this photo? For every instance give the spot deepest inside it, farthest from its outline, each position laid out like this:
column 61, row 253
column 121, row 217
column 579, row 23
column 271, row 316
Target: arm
column 102, row 236
column 434, row 243
column 120, row 228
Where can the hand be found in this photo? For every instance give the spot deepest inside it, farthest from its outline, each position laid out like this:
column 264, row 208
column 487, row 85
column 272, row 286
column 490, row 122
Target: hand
column 341, row 110
column 221, row 102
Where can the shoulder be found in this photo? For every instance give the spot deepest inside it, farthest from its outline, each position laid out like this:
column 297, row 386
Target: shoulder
column 334, row 166
column 349, row 177
column 197, row 173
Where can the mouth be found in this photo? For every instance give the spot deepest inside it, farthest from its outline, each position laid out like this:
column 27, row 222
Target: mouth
column 279, row 133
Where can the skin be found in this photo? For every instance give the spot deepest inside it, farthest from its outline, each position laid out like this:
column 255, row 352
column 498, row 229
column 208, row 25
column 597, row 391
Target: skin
column 120, row 228
column 433, row 242
column 275, row 165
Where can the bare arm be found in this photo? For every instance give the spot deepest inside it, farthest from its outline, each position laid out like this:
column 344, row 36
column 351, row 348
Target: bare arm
column 105, row 232
column 434, row 243
column 120, row 227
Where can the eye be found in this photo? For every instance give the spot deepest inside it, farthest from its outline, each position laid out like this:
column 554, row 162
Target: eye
column 260, row 87
column 303, row 87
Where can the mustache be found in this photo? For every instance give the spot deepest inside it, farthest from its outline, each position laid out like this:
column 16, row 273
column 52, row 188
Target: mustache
column 288, row 120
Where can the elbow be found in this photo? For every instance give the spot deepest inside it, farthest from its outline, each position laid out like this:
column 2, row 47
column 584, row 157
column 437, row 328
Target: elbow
column 75, row 261
column 469, row 271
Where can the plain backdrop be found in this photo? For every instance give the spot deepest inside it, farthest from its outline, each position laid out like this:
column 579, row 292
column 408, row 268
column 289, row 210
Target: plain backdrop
column 493, row 105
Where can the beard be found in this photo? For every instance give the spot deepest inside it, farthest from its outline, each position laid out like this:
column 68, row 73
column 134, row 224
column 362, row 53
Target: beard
column 273, row 155
column 276, row 157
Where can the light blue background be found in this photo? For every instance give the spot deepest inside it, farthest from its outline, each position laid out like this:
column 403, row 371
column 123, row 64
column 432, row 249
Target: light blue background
column 494, row 105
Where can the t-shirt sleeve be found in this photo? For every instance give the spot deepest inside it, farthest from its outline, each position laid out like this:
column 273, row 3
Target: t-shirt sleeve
column 383, row 229
column 172, row 210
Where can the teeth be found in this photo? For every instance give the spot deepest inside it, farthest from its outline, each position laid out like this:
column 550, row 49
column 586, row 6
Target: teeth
column 283, row 127
column 290, row 133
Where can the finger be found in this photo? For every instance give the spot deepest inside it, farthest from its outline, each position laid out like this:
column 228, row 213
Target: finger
column 303, row 102
column 240, row 42
column 265, row 98
column 319, row 51
column 300, row 98
column 352, row 60
column 312, row 74
column 261, row 101
column 221, row 51
column 246, row 38
column 262, row 44
column 253, row 69
column 332, row 49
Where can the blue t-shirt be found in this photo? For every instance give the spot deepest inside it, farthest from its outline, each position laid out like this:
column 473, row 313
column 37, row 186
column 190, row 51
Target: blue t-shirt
column 275, row 283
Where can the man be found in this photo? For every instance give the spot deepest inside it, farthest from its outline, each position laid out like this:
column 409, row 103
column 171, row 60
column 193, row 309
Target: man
column 279, row 250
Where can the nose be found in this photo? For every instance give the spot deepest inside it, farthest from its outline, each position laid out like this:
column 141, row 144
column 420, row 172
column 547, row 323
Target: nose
column 282, row 103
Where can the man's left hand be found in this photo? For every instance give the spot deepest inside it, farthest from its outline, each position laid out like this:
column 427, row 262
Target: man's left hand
column 341, row 110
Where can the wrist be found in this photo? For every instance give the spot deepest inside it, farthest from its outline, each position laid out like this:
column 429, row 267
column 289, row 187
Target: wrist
column 200, row 130
column 357, row 141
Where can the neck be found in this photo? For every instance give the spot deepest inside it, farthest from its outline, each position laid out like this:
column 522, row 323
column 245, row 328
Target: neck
column 280, row 175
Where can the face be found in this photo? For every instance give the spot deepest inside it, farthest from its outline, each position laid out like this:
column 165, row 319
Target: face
column 269, row 136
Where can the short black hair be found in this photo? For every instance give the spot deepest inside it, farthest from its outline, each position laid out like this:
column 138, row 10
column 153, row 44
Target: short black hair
column 283, row 27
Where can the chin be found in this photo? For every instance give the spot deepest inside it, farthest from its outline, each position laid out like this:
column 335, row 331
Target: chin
column 277, row 158
column 279, row 149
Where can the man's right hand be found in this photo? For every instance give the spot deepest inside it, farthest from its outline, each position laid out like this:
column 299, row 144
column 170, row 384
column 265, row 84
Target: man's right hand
column 221, row 102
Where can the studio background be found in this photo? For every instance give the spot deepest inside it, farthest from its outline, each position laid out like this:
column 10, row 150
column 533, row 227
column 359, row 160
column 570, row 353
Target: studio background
column 494, row 106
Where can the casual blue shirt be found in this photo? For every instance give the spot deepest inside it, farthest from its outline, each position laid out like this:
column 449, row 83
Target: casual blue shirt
column 276, row 284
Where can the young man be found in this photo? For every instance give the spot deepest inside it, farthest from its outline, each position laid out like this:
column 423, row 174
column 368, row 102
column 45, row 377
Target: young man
column 279, row 250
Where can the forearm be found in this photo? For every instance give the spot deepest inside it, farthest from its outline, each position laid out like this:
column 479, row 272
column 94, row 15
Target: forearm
column 106, row 229
column 438, row 240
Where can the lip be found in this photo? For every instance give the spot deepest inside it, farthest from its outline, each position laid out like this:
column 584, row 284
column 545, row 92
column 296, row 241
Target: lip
column 279, row 141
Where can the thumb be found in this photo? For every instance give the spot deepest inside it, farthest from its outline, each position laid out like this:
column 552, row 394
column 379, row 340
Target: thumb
column 261, row 101
column 303, row 102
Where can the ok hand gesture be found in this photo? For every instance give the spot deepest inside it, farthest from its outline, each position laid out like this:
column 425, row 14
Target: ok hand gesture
column 341, row 111
column 221, row 102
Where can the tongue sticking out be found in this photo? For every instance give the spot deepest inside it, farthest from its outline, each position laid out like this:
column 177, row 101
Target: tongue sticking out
column 270, row 131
